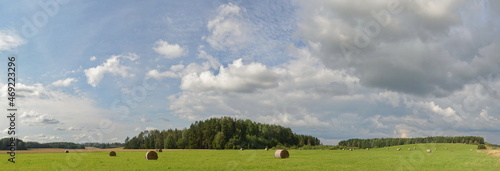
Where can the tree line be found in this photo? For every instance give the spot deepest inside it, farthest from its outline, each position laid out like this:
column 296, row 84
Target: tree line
column 387, row 142
column 221, row 133
column 21, row 145
column 103, row 145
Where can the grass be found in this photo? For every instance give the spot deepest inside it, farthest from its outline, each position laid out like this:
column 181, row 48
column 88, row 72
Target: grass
column 373, row 159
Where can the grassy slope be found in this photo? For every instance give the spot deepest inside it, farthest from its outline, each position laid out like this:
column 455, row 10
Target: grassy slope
column 374, row 159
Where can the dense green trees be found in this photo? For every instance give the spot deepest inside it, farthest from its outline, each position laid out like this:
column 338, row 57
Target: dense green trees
column 5, row 144
column 67, row 145
column 221, row 133
column 102, row 145
column 386, row 142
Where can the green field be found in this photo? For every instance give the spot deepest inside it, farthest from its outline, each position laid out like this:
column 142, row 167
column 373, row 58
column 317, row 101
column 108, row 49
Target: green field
column 373, row 159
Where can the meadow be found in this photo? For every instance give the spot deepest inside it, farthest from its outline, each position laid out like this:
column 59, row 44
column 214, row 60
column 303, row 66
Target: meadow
column 374, row 159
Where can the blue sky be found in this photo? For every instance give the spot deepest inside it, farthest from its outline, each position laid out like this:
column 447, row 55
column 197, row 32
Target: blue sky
column 102, row 71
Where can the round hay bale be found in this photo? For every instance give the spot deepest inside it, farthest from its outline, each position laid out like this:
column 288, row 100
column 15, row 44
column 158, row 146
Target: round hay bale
column 281, row 154
column 267, row 149
column 367, row 149
column 350, row 149
column 446, row 148
column 414, row 148
column 409, row 149
column 112, row 153
column 66, row 151
column 470, row 149
column 151, row 155
column 398, row 149
column 429, row 150
column 242, row 149
column 159, row 150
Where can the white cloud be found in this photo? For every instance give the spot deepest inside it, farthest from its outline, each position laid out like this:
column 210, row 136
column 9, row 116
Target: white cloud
column 307, row 89
column 35, row 118
column 144, row 119
column 158, row 75
column 22, row 90
column 59, row 129
column 111, row 66
column 9, row 40
column 228, row 30
column 149, row 128
column 446, row 113
column 42, row 138
column 93, row 58
column 64, row 83
column 169, row 51
column 236, row 77
column 180, row 70
column 74, row 129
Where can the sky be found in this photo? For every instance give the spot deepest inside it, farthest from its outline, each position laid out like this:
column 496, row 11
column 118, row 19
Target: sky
column 99, row 71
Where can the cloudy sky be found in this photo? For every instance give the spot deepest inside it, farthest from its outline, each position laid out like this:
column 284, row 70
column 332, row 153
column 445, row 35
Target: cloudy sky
column 334, row 69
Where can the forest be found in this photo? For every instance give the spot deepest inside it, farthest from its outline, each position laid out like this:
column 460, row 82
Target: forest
column 387, row 142
column 221, row 133
column 21, row 145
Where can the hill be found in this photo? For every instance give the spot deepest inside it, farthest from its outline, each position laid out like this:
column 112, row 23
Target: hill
column 221, row 133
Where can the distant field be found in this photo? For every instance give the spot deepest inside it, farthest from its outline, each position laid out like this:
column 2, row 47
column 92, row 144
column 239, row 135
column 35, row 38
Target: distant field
column 374, row 159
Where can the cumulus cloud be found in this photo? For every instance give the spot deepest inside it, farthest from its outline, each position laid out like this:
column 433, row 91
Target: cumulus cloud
column 42, row 138
column 297, row 85
column 74, row 129
column 236, row 77
column 144, row 119
column 227, row 29
column 447, row 113
column 149, row 128
column 35, row 118
column 64, row 83
column 23, row 90
column 111, row 66
column 180, row 70
column 9, row 40
column 169, row 51
column 93, row 58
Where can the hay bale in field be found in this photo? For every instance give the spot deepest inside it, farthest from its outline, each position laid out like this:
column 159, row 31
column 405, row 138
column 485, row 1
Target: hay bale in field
column 409, row 149
column 159, row 150
column 470, row 149
column 398, row 149
column 446, row 148
column 350, row 149
column 429, row 150
column 242, row 149
column 414, row 148
column 266, row 149
column 66, row 151
column 151, row 155
column 112, row 153
column 452, row 150
column 281, row 154
column 367, row 149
